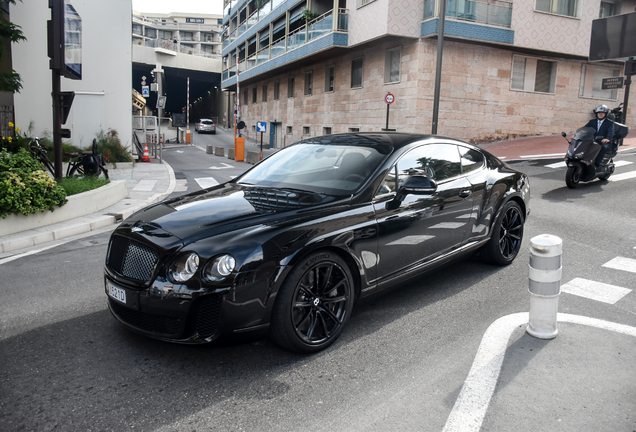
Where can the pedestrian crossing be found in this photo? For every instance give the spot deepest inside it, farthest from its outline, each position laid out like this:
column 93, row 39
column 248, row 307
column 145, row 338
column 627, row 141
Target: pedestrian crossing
column 614, row 178
column 600, row 291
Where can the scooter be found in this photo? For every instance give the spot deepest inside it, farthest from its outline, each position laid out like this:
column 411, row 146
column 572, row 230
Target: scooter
column 582, row 151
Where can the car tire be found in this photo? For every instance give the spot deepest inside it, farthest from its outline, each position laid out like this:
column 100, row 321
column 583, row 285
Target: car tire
column 506, row 236
column 314, row 303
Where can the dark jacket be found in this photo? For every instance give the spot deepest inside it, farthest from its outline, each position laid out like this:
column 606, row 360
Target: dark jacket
column 606, row 131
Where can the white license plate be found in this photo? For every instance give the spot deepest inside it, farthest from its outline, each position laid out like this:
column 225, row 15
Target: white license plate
column 116, row 293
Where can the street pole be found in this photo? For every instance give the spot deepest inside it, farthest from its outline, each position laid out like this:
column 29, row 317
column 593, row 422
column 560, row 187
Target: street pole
column 57, row 123
column 438, row 71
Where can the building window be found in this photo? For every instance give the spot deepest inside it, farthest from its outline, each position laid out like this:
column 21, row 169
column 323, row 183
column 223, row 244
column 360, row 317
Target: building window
column 326, row 131
column 356, row 73
column 290, row 87
column 245, row 97
column 288, row 130
column 607, row 9
column 533, row 75
column 264, row 92
column 309, row 82
column 254, row 95
column 330, row 76
column 560, row 7
column 276, row 90
column 306, row 130
column 392, row 65
column 360, row 3
column 591, row 82
column 354, row 129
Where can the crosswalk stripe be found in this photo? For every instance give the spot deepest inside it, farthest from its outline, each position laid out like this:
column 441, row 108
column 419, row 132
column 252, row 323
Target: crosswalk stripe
column 557, row 165
column 623, row 176
column 595, row 290
column 621, row 163
column 621, row 263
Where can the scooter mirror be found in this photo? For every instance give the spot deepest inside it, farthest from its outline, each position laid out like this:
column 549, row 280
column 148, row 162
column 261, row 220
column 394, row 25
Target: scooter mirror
column 563, row 134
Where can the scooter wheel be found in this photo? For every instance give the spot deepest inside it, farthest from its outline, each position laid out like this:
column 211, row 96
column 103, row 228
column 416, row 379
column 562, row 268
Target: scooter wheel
column 572, row 177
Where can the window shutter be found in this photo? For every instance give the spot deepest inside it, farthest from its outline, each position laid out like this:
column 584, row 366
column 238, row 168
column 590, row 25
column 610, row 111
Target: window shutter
column 518, row 72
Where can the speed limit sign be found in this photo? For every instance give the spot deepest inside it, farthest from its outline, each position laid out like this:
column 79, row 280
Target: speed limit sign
column 389, row 98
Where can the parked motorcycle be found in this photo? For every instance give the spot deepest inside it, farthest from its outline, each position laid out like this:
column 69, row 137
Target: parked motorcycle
column 582, row 151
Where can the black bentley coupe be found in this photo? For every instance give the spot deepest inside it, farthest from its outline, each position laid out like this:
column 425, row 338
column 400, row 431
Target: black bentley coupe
column 286, row 249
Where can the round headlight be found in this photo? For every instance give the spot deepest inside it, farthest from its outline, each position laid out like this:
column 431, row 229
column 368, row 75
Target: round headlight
column 184, row 268
column 219, row 268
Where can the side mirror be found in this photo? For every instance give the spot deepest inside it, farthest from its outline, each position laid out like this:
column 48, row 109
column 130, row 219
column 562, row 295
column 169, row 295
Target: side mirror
column 419, row 185
column 563, row 134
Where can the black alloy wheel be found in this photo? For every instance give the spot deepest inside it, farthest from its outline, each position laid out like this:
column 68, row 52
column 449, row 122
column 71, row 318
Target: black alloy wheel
column 506, row 237
column 314, row 304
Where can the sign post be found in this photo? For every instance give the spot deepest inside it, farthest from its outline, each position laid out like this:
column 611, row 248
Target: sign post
column 262, row 128
column 389, row 99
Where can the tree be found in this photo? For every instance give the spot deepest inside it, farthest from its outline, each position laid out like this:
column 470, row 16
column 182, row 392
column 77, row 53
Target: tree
column 10, row 81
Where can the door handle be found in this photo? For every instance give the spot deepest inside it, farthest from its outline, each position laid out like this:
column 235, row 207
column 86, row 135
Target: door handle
column 465, row 193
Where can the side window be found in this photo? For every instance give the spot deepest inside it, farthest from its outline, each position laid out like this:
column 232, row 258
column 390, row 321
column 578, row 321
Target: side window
column 437, row 161
column 471, row 159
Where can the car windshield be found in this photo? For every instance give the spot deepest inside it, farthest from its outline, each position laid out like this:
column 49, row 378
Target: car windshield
column 325, row 169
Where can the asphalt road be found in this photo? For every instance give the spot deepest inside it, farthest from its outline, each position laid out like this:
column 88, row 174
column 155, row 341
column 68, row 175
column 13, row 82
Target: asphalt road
column 68, row 365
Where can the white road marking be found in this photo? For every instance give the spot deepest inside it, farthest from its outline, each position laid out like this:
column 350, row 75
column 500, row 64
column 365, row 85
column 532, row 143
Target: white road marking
column 206, row 182
column 145, row 186
column 543, row 155
column 623, row 176
column 595, row 290
column 557, row 165
column 472, row 403
column 178, row 151
column 620, row 263
column 33, row 252
column 621, row 163
column 182, row 186
column 223, row 167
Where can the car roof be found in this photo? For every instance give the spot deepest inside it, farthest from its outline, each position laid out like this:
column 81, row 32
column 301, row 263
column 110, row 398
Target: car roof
column 393, row 139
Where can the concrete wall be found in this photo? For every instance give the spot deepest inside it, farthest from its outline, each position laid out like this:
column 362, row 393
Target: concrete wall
column 103, row 97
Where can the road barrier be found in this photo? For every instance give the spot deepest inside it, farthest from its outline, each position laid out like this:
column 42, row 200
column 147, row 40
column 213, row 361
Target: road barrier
column 544, row 285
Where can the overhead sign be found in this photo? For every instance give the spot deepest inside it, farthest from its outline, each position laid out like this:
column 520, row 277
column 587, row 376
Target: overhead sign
column 613, row 37
column 389, row 98
column 612, row 83
column 261, row 127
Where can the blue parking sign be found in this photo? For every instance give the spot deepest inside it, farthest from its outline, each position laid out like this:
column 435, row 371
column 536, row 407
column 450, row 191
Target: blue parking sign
column 145, row 91
column 261, row 127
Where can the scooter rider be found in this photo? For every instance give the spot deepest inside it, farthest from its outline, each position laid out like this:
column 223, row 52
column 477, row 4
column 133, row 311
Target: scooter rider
column 604, row 127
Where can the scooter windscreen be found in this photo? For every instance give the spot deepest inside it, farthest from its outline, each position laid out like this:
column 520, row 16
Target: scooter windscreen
column 584, row 134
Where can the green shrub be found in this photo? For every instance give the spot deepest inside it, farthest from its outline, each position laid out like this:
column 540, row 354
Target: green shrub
column 109, row 145
column 25, row 187
column 75, row 185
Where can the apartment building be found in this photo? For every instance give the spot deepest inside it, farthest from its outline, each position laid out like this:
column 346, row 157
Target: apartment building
column 187, row 33
column 510, row 68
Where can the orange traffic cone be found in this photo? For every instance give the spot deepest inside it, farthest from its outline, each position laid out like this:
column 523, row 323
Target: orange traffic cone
column 146, row 156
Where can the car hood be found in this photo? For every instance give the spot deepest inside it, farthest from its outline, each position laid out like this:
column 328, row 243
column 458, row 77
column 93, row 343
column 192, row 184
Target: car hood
column 225, row 208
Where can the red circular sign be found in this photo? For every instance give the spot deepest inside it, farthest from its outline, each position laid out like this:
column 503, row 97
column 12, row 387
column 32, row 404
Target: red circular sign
column 389, row 98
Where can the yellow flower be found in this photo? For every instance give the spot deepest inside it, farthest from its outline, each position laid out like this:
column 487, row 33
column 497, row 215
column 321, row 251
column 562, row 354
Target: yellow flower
column 10, row 124
column 17, row 129
column 10, row 139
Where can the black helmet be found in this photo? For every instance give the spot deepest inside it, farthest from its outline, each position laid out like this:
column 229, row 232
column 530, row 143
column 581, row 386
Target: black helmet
column 601, row 108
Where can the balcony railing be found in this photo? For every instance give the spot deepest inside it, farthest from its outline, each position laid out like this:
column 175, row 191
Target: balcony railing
column 183, row 49
column 499, row 13
column 306, row 33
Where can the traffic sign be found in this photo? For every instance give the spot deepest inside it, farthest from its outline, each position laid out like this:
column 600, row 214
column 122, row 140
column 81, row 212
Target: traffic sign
column 145, row 91
column 389, row 98
column 261, row 127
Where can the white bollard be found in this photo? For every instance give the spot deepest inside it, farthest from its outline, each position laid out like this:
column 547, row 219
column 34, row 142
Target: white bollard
column 544, row 285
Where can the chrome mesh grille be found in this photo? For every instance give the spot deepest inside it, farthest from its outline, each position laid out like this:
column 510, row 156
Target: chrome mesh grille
column 131, row 259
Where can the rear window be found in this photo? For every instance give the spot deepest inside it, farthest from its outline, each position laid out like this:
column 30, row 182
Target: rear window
column 207, row 122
